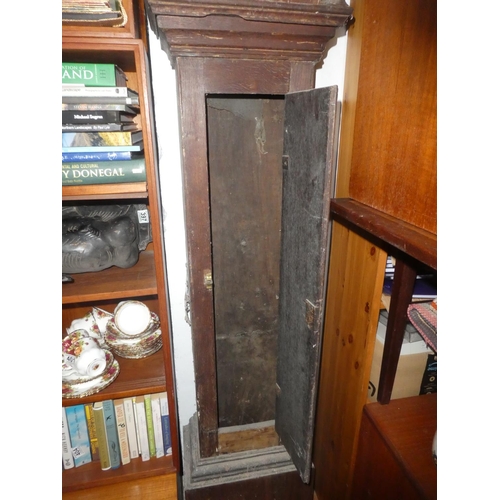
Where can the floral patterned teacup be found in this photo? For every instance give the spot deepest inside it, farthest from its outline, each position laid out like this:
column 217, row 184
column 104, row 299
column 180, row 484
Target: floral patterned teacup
column 82, row 355
column 87, row 323
column 101, row 318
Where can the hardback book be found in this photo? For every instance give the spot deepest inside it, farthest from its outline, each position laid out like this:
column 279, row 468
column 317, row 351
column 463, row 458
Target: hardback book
column 121, row 425
column 102, row 117
column 165, row 423
column 111, row 433
column 82, row 139
column 94, row 446
column 100, row 127
column 128, row 406
column 132, row 100
column 86, row 173
column 142, row 427
column 99, row 107
column 149, row 423
column 79, row 435
column 100, row 426
column 98, row 156
column 82, row 91
column 67, row 456
column 93, row 74
column 155, row 409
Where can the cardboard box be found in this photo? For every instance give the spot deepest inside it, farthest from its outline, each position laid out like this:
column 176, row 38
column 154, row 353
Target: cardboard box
column 417, row 367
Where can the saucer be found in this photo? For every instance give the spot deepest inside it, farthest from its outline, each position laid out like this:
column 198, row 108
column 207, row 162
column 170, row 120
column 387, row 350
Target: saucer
column 72, row 390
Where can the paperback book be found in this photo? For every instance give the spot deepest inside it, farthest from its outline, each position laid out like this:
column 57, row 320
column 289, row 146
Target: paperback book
column 98, row 156
column 149, row 422
column 158, row 434
column 165, row 423
column 82, row 91
column 67, row 456
column 78, row 433
column 100, row 127
column 94, row 99
column 75, row 174
column 93, row 139
column 77, row 117
column 122, row 430
column 111, row 433
column 94, row 447
column 93, row 74
column 99, row 107
column 142, row 428
column 101, row 436
column 128, row 406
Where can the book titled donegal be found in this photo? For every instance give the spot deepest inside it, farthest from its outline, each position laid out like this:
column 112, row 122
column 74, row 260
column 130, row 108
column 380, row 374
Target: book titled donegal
column 88, row 142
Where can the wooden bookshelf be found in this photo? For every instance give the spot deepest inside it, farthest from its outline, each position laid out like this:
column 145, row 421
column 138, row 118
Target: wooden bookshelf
column 144, row 281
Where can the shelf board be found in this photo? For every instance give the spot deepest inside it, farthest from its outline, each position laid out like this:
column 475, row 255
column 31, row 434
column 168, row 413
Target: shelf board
column 113, row 283
column 90, row 475
column 105, row 191
column 407, row 238
column 136, row 377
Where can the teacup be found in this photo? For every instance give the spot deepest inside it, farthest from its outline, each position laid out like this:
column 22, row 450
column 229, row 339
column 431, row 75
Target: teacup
column 132, row 317
column 82, row 355
column 101, row 318
column 87, row 323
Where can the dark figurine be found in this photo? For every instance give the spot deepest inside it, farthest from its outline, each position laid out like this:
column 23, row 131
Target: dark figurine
column 97, row 237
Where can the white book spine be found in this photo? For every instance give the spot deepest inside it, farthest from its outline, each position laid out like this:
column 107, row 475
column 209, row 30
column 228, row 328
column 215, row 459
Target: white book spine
column 128, row 407
column 155, row 408
column 138, row 438
column 75, row 91
column 67, row 456
column 143, row 429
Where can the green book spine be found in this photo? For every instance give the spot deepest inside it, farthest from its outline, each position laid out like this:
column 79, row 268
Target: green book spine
column 103, row 172
column 101, row 436
column 93, row 74
column 150, row 426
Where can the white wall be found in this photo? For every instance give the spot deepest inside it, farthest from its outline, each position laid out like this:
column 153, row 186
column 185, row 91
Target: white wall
column 165, row 103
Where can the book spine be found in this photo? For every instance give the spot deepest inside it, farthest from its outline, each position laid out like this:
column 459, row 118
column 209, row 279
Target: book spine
column 106, row 106
column 76, row 139
column 165, row 423
column 142, row 428
column 69, row 117
column 78, row 433
column 111, row 433
column 98, row 156
column 101, row 436
column 128, row 406
column 96, row 127
column 122, row 431
column 137, row 427
column 94, row 446
column 92, row 74
column 103, row 149
column 130, row 101
column 155, row 410
column 149, row 422
column 103, row 172
column 76, row 91
column 68, row 462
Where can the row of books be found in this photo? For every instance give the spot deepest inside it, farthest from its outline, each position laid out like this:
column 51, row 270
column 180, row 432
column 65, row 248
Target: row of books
column 102, row 140
column 114, row 432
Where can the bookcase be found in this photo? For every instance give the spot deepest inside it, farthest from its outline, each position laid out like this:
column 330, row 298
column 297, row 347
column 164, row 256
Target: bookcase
column 145, row 281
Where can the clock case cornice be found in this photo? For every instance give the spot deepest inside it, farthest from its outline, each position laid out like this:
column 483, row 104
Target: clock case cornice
column 246, row 29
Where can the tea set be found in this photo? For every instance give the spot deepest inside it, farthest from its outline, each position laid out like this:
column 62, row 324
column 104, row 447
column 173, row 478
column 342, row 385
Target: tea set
column 88, row 363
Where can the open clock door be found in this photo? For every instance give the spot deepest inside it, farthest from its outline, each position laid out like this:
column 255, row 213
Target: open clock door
column 309, row 161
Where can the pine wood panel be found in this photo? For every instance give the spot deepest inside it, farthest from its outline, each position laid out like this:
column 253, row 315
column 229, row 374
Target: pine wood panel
column 161, row 487
column 352, row 307
column 394, row 146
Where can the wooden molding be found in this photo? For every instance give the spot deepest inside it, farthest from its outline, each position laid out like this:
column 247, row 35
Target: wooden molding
column 249, row 30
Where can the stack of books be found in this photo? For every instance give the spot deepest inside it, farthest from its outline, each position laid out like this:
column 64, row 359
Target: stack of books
column 114, row 432
column 425, row 288
column 102, row 140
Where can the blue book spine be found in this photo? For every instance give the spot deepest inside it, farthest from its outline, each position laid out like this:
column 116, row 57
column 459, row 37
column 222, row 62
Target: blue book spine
column 79, row 435
column 100, row 156
column 165, row 424
column 111, row 433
